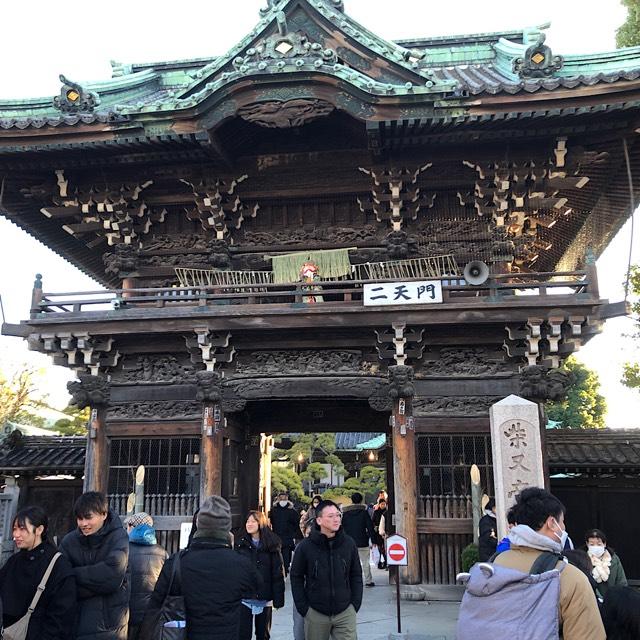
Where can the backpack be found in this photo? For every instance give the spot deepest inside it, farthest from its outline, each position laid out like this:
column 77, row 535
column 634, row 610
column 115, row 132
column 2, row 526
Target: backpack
column 500, row 602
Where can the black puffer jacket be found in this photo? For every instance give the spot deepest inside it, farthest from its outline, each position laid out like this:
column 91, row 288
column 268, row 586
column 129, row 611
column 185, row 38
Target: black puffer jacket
column 146, row 559
column 215, row 579
column 270, row 570
column 99, row 563
column 357, row 524
column 19, row 579
column 285, row 522
column 326, row 574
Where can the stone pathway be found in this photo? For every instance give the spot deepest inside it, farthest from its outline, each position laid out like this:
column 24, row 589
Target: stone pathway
column 422, row 620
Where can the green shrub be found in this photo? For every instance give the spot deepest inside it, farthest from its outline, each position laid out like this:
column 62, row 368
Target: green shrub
column 470, row 555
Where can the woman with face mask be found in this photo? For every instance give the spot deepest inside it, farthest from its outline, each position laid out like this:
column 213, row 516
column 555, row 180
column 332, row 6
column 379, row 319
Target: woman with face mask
column 309, row 517
column 607, row 569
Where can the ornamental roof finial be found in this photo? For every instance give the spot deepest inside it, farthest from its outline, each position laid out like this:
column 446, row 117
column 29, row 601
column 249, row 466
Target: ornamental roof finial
column 74, row 98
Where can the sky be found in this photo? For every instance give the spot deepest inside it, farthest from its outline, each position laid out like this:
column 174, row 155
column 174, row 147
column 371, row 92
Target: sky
column 78, row 39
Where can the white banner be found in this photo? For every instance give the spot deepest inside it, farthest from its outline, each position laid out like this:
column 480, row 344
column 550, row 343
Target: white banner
column 386, row 293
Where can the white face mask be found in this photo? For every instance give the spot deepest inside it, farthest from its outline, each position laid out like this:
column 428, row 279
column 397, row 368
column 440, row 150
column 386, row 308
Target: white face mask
column 596, row 550
column 562, row 536
column 283, row 503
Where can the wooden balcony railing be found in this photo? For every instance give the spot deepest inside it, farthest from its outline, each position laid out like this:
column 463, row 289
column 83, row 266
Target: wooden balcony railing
column 344, row 292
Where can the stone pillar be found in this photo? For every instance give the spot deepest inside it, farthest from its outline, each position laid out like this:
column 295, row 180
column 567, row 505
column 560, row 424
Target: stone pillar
column 517, row 452
column 405, row 467
column 93, row 391
column 210, row 394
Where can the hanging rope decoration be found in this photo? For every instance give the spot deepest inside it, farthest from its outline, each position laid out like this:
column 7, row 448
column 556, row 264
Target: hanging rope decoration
column 332, row 265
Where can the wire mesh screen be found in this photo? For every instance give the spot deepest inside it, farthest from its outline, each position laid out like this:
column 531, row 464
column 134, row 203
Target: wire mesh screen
column 444, row 463
column 172, row 468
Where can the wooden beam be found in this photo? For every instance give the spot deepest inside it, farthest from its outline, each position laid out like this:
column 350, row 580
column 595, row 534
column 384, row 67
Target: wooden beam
column 148, row 429
column 452, row 424
column 179, row 319
column 445, row 525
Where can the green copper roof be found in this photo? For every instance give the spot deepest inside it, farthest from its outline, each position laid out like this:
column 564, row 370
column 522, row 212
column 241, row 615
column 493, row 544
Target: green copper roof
column 306, row 44
column 378, row 442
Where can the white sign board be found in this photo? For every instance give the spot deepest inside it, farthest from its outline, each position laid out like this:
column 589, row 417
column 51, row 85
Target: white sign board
column 387, row 293
column 185, row 530
column 397, row 551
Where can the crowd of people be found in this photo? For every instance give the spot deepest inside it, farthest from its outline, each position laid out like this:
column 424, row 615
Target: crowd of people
column 581, row 593
column 109, row 582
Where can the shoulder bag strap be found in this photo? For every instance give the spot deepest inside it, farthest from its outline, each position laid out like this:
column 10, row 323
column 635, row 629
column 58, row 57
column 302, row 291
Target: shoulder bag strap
column 546, row 561
column 43, row 583
column 176, row 575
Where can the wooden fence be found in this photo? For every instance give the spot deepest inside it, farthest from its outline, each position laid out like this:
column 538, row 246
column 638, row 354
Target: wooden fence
column 168, row 510
column 445, row 528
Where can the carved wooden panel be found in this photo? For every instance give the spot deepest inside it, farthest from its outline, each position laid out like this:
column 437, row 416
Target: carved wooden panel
column 303, row 362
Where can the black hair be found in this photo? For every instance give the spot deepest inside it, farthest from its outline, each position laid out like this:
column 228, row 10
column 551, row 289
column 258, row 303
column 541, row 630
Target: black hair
column 579, row 558
column 511, row 518
column 534, row 505
column 37, row 516
column 356, row 498
column 323, row 505
column 316, row 497
column 491, row 503
column 621, row 613
column 596, row 533
column 91, row 502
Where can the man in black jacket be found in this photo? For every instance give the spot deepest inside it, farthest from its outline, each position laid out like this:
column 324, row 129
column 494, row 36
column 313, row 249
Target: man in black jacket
column 23, row 572
column 214, row 579
column 357, row 524
column 326, row 578
column 98, row 551
column 285, row 522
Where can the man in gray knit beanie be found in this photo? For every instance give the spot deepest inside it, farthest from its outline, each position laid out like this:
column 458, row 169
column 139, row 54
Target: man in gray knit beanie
column 214, row 519
column 214, row 578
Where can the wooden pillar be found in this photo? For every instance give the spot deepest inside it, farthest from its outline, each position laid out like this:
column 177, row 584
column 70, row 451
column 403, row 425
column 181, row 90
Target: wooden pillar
column 211, row 455
column 405, row 485
column 592, row 274
column 36, row 296
column 127, row 284
column 96, row 465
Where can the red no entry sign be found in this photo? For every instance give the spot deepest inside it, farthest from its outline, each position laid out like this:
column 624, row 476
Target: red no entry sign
column 397, row 550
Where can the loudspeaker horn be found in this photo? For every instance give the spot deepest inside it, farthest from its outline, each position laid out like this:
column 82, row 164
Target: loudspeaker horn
column 476, row 272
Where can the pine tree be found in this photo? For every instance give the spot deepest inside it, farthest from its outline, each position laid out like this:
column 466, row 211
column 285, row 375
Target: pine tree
column 628, row 35
column 584, row 407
